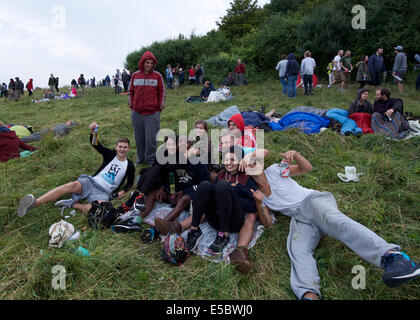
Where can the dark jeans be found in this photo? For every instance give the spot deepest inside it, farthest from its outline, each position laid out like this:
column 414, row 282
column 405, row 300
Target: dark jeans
column 376, row 78
column 362, row 84
column 308, row 82
column 418, row 83
column 221, row 206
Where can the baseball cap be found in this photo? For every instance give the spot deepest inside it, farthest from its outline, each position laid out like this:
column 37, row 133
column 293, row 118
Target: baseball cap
column 399, row 48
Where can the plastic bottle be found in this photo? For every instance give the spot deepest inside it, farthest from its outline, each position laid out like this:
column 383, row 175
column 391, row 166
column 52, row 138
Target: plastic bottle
column 95, row 138
column 171, row 183
column 75, row 236
column 82, row 252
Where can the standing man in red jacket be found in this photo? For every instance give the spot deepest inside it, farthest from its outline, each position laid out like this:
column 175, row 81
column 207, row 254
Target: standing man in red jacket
column 239, row 73
column 147, row 101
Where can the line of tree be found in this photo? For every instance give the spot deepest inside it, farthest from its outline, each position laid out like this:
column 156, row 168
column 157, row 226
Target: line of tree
column 258, row 36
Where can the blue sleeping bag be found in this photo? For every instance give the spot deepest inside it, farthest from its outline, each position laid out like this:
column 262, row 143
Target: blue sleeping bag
column 342, row 116
column 308, row 123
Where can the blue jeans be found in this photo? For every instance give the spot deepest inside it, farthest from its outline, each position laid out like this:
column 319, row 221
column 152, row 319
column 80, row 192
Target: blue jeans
column 291, row 86
column 170, row 83
column 284, row 84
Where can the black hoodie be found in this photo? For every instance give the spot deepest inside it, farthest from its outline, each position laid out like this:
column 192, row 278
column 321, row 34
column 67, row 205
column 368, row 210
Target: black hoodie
column 356, row 107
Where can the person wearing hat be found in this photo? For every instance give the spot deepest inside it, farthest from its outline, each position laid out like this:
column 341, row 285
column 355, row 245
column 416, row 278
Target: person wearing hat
column 400, row 67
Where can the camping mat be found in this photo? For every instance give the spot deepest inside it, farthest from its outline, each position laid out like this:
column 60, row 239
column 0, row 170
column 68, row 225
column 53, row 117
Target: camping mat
column 161, row 210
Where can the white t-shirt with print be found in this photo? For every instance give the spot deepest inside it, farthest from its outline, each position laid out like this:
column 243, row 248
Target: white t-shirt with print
column 337, row 59
column 285, row 192
column 112, row 175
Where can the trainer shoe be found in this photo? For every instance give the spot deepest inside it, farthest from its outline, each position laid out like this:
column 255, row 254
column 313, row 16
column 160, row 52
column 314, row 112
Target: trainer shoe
column 25, row 204
column 219, row 243
column 166, row 227
column 149, row 235
column 140, row 203
column 239, row 258
column 127, row 226
column 192, row 239
column 398, row 269
column 64, row 203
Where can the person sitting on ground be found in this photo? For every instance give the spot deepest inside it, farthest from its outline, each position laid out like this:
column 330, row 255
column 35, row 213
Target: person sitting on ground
column 387, row 118
column 10, row 144
column 361, row 104
column 229, row 81
column 104, row 185
column 227, row 141
column 205, row 92
column 154, row 185
column 225, row 203
column 314, row 214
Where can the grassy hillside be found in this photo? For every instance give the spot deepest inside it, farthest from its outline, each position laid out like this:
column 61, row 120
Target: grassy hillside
column 121, row 267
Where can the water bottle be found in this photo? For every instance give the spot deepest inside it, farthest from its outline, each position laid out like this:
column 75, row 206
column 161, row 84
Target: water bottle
column 82, row 252
column 95, row 136
column 172, row 183
column 284, row 169
column 75, row 236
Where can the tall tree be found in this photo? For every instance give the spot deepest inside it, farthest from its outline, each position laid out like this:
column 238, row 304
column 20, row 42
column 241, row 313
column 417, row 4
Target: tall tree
column 241, row 18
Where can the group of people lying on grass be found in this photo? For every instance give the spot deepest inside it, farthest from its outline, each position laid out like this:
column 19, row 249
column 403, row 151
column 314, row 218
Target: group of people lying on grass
column 230, row 198
column 14, row 139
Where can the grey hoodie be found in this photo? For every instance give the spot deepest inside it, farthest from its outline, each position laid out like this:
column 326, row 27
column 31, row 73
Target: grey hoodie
column 400, row 63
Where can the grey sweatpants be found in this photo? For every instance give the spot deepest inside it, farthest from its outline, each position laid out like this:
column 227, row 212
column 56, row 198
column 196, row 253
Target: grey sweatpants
column 146, row 129
column 318, row 215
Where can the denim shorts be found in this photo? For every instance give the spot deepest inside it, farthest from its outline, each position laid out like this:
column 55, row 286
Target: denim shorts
column 91, row 191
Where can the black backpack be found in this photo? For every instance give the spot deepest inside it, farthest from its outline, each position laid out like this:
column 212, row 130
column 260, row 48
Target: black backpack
column 102, row 215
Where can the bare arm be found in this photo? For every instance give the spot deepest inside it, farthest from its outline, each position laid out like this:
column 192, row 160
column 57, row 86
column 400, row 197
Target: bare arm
column 263, row 212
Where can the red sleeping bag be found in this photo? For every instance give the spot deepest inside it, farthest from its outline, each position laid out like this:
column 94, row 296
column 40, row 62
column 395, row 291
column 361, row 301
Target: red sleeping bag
column 300, row 82
column 363, row 121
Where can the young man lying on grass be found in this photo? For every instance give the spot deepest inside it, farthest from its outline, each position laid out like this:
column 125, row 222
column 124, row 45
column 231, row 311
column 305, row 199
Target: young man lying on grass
column 116, row 168
column 315, row 214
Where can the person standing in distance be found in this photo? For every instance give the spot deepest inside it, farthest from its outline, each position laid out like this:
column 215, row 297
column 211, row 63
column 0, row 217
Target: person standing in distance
column 147, row 101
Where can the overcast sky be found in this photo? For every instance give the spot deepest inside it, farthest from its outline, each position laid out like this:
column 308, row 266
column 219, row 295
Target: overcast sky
column 93, row 37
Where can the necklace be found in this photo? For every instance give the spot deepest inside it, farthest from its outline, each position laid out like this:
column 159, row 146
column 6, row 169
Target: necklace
column 228, row 178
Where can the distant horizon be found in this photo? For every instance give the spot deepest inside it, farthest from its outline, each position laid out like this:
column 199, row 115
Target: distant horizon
column 66, row 39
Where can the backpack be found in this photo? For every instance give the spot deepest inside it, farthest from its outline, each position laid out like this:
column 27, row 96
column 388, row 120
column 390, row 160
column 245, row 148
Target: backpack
column 174, row 250
column 102, row 215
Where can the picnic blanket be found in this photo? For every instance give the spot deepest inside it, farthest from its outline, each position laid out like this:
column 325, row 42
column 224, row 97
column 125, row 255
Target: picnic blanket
column 221, row 94
column 222, row 118
column 308, row 123
column 161, row 210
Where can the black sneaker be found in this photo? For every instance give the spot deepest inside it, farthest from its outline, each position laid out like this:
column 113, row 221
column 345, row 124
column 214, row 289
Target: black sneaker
column 140, row 203
column 398, row 269
column 219, row 243
column 149, row 235
column 128, row 226
column 192, row 239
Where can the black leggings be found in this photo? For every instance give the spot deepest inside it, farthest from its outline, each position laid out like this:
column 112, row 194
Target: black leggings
column 149, row 181
column 221, row 206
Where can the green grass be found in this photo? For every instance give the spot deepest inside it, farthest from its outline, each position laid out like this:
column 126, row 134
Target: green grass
column 121, row 267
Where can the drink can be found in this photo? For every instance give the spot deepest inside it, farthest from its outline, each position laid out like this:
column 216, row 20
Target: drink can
column 285, row 169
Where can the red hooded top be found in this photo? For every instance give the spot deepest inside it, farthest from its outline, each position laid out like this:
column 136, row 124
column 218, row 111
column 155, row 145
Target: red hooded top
column 147, row 90
column 9, row 146
column 240, row 68
column 30, row 85
column 248, row 137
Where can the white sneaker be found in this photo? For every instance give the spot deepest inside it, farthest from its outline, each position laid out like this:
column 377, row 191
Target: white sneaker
column 64, row 203
column 25, row 204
